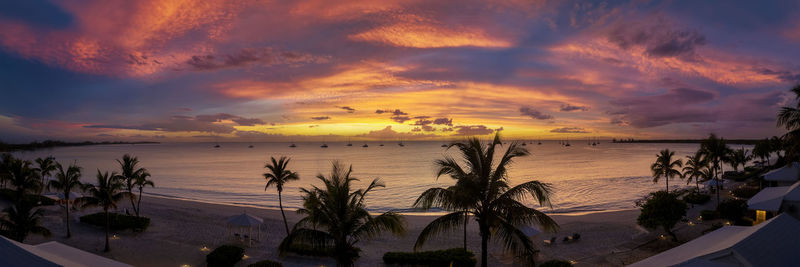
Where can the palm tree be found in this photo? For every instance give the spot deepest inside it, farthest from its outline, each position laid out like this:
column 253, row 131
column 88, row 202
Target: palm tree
column 66, row 181
column 717, row 152
column 694, row 168
column 666, row 167
column 5, row 165
column 23, row 177
column 129, row 173
column 46, row 166
column 21, row 219
column 336, row 217
column 486, row 195
column 108, row 191
column 141, row 183
column 278, row 175
column 762, row 150
column 739, row 157
column 789, row 118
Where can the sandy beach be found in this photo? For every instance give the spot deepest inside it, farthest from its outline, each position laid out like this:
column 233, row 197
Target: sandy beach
column 180, row 229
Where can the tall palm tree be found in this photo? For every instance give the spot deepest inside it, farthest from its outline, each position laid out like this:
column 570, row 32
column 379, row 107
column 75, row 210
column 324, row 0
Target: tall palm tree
column 336, row 217
column 762, row 150
column 66, row 181
column 717, row 152
column 23, row 177
column 789, row 118
column 46, row 166
column 5, row 165
column 278, row 175
column 739, row 157
column 487, row 196
column 666, row 167
column 106, row 193
column 142, row 181
column 694, row 167
column 21, row 219
column 129, row 173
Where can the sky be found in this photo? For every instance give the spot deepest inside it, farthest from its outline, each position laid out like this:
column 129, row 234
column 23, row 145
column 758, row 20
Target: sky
column 259, row 70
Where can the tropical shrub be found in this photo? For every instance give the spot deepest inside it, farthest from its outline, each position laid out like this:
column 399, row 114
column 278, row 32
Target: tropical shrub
column 696, row 198
column 708, row 215
column 117, row 221
column 732, row 209
column 224, row 256
column 745, row 192
column 447, row 257
column 10, row 195
column 556, row 263
column 662, row 209
column 266, row 263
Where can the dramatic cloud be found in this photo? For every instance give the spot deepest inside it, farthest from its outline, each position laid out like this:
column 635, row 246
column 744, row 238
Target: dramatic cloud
column 659, row 39
column 389, row 134
column 321, row 118
column 395, row 112
column 400, row 119
column 678, row 105
column 349, row 109
column 176, row 124
column 568, row 108
column 569, row 130
column 422, row 121
column 535, row 114
column 443, row 121
column 225, row 116
column 470, row 130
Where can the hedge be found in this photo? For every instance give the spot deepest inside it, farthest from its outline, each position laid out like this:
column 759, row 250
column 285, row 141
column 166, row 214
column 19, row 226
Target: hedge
column 454, row 256
column 224, row 256
column 696, row 198
column 117, row 221
column 745, row 192
column 708, row 215
column 266, row 263
column 308, row 250
column 732, row 209
column 556, row 263
column 11, row 195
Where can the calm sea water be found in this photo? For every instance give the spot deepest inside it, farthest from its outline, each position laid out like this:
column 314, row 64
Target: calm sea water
column 586, row 178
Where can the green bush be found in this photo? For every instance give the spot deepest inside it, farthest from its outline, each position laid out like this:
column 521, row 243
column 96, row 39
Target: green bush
column 456, row 256
column 11, row 195
column 556, row 263
column 708, row 215
column 661, row 209
column 117, row 221
column 696, row 198
column 732, row 209
column 266, row 263
column 745, row 192
column 224, row 256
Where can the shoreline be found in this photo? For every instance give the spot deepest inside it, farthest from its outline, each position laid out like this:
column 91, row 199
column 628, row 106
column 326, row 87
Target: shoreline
column 180, row 228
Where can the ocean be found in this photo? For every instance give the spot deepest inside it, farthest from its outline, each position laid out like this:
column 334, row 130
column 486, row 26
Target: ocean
column 609, row 176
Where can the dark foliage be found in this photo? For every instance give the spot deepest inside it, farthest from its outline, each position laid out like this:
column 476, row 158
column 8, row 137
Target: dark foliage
column 556, row 263
column 447, row 257
column 662, row 209
column 732, row 209
column 745, row 192
column 266, row 263
column 696, row 198
column 30, row 199
column 708, row 215
column 224, row 256
column 117, row 221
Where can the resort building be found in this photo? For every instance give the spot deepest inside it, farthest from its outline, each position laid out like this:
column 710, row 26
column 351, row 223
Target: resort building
column 772, row 243
column 13, row 253
column 785, row 176
column 779, row 199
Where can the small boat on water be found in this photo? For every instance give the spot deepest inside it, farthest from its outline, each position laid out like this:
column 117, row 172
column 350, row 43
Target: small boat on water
column 216, row 146
column 380, row 145
column 292, row 145
column 324, row 146
column 365, row 145
column 444, row 145
column 540, row 142
column 250, row 146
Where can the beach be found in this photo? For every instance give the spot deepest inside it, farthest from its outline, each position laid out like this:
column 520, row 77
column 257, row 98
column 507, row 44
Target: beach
column 180, row 229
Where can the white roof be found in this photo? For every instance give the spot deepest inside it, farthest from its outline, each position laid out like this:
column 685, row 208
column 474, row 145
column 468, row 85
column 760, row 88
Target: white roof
column 771, row 198
column 771, row 243
column 50, row 254
column 785, row 174
column 244, row 219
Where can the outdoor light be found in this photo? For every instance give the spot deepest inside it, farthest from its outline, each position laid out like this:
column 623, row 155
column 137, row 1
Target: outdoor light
column 204, row 249
column 245, row 257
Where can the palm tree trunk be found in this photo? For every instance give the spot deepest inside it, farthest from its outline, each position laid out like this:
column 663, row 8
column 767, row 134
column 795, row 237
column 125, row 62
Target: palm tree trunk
column 667, row 179
column 133, row 204
column 107, row 249
column 484, row 246
column 139, row 203
column 466, row 220
column 280, row 204
column 67, row 198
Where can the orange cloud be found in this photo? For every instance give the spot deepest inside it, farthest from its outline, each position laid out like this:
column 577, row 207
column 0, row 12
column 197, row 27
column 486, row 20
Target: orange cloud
column 419, row 32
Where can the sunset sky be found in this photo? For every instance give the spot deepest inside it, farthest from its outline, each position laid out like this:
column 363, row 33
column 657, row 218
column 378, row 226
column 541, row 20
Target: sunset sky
column 299, row 70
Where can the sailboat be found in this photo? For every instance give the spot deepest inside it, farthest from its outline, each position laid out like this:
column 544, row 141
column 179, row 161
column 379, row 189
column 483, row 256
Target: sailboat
column 365, row 145
column 217, row 142
column 292, row 145
column 566, row 143
column 380, row 145
column 324, row 145
column 401, row 142
column 250, row 146
column 349, row 143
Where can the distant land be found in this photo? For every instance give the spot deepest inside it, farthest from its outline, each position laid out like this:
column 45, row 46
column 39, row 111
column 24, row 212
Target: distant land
column 54, row 143
column 687, row 141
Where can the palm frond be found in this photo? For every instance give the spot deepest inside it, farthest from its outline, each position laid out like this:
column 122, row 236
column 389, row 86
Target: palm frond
column 439, row 225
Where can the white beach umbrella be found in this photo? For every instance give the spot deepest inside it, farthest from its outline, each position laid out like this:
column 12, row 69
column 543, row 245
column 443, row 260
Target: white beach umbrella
column 530, row 230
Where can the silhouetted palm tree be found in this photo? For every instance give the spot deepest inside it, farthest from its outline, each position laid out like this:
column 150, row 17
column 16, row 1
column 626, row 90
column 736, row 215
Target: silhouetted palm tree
column 23, row 177
column 789, row 118
column 66, row 181
column 106, row 193
column 739, row 157
column 129, row 173
column 336, row 217
column 666, row 167
column 482, row 191
column 46, row 166
column 142, row 181
column 278, row 175
column 694, row 167
column 21, row 220
column 717, row 152
column 5, row 165
column 762, row 150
